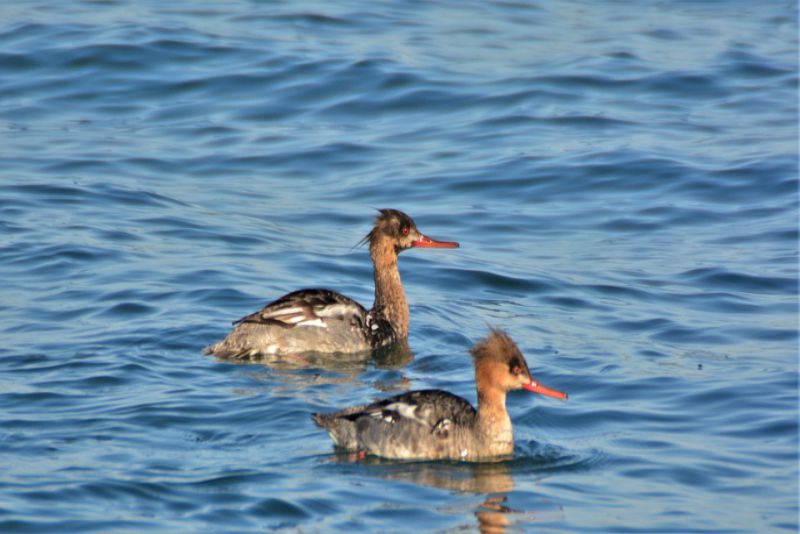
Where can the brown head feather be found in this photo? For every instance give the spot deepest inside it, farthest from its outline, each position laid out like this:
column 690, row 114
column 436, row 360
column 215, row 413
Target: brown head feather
column 500, row 348
column 389, row 223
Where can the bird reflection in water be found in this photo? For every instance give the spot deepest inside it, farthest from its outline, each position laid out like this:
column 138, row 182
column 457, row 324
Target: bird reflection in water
column 300, row 371
column 493, row 481
column 493, row 515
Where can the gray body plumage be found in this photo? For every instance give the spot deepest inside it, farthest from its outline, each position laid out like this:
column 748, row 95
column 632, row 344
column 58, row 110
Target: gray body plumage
column 433, row 424
column 308, row 320
column 426, row 424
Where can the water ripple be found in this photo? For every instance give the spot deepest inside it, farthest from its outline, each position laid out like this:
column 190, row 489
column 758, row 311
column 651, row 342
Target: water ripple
column 623, row 184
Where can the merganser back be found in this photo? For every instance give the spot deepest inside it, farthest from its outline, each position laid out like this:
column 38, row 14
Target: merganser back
column 434, row 424
column 322, row 320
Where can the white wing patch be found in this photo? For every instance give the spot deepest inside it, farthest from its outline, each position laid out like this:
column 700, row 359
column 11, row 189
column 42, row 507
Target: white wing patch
column 311, row 316
column 294, row 310
column 406, row 410
column 336, row 310
column 319, row 323
column 302, row 316
column 312, row 308
column 293, row 315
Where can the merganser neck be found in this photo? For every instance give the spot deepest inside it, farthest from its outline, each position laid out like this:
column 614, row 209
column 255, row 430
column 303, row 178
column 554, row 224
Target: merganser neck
column 390, row 299
column 493, row 421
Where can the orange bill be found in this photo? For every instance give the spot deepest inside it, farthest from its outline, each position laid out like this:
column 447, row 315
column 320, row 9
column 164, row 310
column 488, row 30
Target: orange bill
column 544, row 390
column 426, row 242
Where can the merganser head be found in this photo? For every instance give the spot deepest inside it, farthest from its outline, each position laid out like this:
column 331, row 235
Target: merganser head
column 500, row 363
column 402, row 231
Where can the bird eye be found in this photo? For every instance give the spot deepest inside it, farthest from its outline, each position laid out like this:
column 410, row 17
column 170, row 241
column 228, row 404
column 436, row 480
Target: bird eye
column 516, row 370
column 404, row 230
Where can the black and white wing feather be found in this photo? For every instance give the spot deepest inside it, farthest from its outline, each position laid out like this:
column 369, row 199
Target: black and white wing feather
column 418, row 424
column 426, row 408
column 307, row 308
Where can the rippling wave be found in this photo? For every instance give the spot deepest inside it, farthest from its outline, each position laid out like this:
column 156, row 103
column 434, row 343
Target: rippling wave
column 624, row 185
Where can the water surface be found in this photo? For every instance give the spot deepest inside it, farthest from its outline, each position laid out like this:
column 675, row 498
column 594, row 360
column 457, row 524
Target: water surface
column 623, row 182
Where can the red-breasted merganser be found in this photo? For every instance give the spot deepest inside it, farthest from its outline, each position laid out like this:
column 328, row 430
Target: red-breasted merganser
column 434, row 424
column 321, row 320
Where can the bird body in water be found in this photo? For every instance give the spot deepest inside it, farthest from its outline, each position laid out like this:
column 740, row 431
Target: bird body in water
column 325, row 321
column 434, row 424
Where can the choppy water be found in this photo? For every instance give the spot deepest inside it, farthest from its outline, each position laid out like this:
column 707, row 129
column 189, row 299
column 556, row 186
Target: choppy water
column 622, row 178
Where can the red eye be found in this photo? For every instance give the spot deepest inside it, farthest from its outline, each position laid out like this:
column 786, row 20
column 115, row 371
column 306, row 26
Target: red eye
column 516, row 370
column 405, row 230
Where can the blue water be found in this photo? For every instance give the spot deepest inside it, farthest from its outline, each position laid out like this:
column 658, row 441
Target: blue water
column 622, row 177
